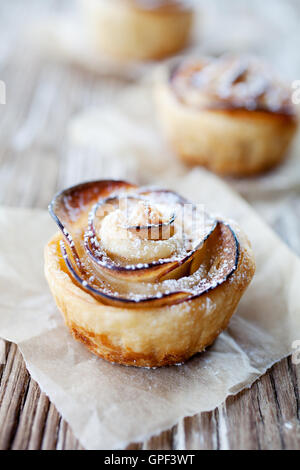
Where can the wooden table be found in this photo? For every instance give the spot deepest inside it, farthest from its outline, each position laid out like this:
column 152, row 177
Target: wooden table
column 34, row 163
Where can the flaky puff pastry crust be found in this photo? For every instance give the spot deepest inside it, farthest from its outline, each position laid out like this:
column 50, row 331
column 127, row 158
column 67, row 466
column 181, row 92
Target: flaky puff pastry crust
column 126, row 30
column 149, row 336
column 225, row 136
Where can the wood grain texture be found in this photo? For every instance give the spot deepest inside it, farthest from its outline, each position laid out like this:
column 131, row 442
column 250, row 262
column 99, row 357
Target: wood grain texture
column 34, row 163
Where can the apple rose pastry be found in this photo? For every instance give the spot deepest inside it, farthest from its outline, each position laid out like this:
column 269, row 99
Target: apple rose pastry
column 138, row 29
column 141, row 276
column 229, row 114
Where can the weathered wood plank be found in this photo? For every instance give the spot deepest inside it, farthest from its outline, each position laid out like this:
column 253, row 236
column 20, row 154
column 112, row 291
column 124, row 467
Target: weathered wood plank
column 66, row 439
column 198, row 432
column 163, row 442
column 14, row 386
column 51, row 430
column 32, row 419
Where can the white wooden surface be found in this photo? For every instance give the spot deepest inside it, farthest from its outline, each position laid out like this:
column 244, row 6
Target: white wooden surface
column 34, row 163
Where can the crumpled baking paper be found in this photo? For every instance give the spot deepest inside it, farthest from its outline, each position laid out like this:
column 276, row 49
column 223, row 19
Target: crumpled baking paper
column 108, row 406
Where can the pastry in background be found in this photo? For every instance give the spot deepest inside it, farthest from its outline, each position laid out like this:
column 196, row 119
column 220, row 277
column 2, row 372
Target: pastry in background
column 138, row 29
column 230, row 114
column 142, row 276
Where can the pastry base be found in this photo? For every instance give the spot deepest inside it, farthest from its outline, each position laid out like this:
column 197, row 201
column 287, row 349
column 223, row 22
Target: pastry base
column 125, row 32
column 146, row 337
column 229, row 142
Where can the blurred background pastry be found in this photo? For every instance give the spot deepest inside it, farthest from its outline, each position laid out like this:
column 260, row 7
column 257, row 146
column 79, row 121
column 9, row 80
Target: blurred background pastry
column 138, row 29
column 230, row 114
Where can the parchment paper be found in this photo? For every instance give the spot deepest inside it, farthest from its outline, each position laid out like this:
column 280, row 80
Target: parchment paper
column 109, row 406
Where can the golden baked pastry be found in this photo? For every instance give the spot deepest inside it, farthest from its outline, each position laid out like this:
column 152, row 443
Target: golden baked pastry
column 229, row 114
column 138, row 29
column 143, row 277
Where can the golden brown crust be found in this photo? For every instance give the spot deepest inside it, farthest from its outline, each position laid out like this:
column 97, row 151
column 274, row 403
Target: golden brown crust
column 126, row 31
column 147, row 337
column 227, row 139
